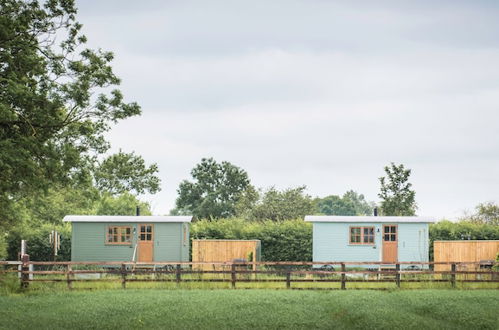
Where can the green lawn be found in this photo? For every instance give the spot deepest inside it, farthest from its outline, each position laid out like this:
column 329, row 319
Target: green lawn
column 275, row 309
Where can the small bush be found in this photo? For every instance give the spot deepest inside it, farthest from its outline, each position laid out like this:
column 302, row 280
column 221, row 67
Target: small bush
column 38, row 244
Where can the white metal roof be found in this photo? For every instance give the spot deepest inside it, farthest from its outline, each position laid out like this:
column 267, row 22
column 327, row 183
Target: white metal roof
column 385, row 219
column 125, row 218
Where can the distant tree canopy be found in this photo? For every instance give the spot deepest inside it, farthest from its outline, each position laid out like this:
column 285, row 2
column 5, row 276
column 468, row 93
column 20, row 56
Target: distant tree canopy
column 351, row 203
column 57, row 99
column 487, row 213
column 397, row 197
column 214, row 191
column 272, row 204
column 223, row 190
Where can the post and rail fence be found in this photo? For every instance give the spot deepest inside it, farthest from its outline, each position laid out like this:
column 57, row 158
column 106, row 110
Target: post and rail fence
column 250, row 272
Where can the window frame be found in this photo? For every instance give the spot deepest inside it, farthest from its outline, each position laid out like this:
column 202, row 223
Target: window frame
column 108, row 227
column 362, row 228
column 390, row 234
column 139, row 232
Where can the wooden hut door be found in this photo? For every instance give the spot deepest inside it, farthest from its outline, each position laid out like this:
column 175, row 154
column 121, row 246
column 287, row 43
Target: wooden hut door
column 390, row 243
column 146, row 243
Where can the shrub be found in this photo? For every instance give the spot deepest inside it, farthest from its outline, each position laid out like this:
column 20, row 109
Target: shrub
column 38, row 244
column 3, row 246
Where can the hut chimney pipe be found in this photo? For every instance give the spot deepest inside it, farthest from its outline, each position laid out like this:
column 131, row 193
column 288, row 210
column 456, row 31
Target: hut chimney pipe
column 137, row 210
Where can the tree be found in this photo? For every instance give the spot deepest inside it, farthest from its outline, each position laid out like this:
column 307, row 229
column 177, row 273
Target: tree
column 397, row 197
column 351, row 203
column 122, row 172
column 334, row 205
column 124, row 204
column 487, row 213
column 277, row 205
column 215, row 190
column 56, row 99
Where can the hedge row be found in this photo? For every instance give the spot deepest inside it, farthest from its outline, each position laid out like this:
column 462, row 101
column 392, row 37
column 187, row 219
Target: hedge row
column 289, row 240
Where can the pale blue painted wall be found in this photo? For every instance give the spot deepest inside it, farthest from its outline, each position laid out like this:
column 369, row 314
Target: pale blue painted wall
column 331, row 242
column 88, row 242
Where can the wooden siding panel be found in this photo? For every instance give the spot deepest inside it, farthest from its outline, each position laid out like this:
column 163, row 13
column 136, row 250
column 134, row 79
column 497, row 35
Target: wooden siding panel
column 168, row 242
column 89, row 244
column 413, row 242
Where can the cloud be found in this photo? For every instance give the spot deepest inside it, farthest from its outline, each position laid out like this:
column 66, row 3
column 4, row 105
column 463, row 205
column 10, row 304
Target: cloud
column 321, row 93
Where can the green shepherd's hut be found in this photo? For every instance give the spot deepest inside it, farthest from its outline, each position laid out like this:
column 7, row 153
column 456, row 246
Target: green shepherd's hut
column 129, row 238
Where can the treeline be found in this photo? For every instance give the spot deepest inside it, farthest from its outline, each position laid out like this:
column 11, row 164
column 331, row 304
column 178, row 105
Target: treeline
column 224, row 190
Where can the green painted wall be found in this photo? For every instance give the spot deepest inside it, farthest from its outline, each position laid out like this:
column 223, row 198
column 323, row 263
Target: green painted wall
column 88, row 242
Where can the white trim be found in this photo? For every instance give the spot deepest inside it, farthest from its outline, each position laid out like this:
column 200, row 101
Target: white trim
column 361, row 219
column 126, row 218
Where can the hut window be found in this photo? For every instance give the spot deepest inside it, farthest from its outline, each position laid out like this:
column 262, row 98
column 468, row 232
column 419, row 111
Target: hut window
column 361, row 235
column 119, row 235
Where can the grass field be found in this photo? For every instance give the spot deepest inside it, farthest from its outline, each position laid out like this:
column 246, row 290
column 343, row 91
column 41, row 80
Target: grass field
column 272, row 309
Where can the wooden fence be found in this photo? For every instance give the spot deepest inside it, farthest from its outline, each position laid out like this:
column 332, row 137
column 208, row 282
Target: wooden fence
column 286, row 272
column 470, row 254
column 204, row 250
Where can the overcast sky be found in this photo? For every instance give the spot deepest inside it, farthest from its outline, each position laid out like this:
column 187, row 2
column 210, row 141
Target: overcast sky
column 321, row 93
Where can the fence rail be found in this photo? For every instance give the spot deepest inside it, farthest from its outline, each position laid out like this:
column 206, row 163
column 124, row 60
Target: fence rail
column 251, row 272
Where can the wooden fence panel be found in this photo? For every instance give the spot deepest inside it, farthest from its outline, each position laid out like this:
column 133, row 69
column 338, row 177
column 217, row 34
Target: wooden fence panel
column 463, row 251
column 223, row 251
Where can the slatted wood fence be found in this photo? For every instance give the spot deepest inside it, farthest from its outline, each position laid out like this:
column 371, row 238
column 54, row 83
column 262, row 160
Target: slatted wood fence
column 286, row 272
column 470, row 254
column 205, row 250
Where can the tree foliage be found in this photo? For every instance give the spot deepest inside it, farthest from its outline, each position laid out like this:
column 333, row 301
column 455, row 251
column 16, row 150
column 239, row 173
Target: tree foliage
column 123, row 204
column 291, row 203
column 56, row 99
column 487, row 213
column 214, row 192
column 397, row 197
column 351, row 203
column 123, row 172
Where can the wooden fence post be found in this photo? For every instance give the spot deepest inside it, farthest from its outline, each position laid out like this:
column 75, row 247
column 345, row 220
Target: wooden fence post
column 343, row 277
column 25, row 271
column 233, row 272
column 68, row 276
column 123, row 276
column 453, row 275
column 397, row 276
column 288, row 279
column 178, row 274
